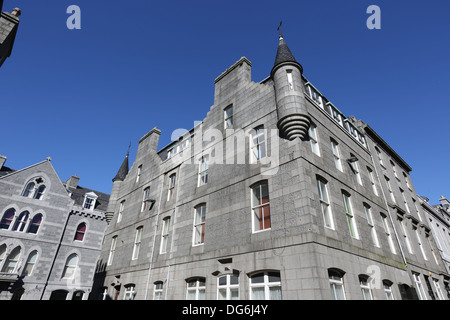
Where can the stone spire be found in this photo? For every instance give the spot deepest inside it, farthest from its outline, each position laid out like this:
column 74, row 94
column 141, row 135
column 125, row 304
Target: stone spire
column 123, row 170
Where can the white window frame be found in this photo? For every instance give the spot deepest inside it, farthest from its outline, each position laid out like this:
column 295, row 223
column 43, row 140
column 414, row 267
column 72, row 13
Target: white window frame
column 145, row 199
column 290, row 79
column 404, row 200
column 419, row 286
column 121, row 208
column 172, row 184
column 437, row 286
column 351, row 222
column 138, row 174
column 336, row 282
column 266, row 284
column 388, row 291
column 164, row 235
column 256, row 208
column 199, row 229
column 30, row 263
column 372, row 181
column 112, row 250
column 12, row 262
column 90, row 199
column 137, row 243
column 387, row 231
column 129, row 293
column 203, row 171
column 70, row 267
column 199, row 289
column 365, row 289
column 336, row 155
column 419, row 242
column 258, row 148
column 314, row 139
column 325, row 204
column 373, row 231
column 158, row 289
column 406, row 235
column 228, row 287
column 228, row 117
column 391, row 193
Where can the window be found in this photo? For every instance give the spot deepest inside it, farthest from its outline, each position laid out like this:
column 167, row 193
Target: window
column 196, row 289
column 394, row 170
column 172, row 180
column 21, row 221
column 404, row 200
column 35, row 189
column 89, row 203
column 35, row 223
column 380, row 157
column 7, row 219
column 228, row 117
column 372, row 181
column 81, row 231
column 419, row 286
column 325, row 203
column 260, row 207
column 387, row 285
column 138, row 175
column 387, row 230
column 112, row 250
column 365, row 287
column 137, row 243
column 165, row 235
column 353, row 161
column 199, row 225
column 12, row 260
column 312, row 132
column 257, row 144
column 158, row 290
column 391, row 193
column 406, row 181
column 31, row 262
column 2, row 253
column 405, row 235
column 228, row 287
column 290, row 80
column 419, row 241
column 203, row 171
column 129, row 292
column 336, row 284
column 145, row 199
column 438, row 289
column 350, row 217
column 336, row 155
column 265, row 286
column 121, row 208
column 373, row 232
column 70, row 267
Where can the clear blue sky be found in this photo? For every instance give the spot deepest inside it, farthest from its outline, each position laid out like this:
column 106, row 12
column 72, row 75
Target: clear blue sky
column 80, row 96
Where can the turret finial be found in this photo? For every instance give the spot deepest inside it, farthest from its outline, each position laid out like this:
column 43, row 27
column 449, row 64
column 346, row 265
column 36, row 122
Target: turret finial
column 279, row 29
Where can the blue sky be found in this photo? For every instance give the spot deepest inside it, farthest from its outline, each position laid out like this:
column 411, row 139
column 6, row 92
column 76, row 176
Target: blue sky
column 81, row 96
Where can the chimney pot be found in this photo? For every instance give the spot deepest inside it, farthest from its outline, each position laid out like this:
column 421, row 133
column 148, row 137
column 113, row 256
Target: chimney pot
column 16, row 12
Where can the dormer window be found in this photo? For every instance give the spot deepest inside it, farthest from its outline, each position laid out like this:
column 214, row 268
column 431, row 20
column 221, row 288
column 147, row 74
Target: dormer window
column 89, row 201
column 35, row 189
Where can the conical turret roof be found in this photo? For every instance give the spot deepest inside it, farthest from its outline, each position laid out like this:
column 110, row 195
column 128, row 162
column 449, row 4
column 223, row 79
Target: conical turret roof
column 284, row 56
column 123, row 171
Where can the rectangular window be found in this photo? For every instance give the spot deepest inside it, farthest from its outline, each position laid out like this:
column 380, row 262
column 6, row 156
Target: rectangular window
column 440, row 295
column 129, row 293
column 387, row 230
column 365, row 289
column 199, row 225
column 373, row 232
column 405, row 235
column 353, row 161
column 404, row 200
column 89, row 203
column 172, row 181
column 372, row 181
column 325, row 204
column 137, row 243
column 336, row 285
column 145, row 199
column 112, row 250
column 419, row 286
column 260, row 207
column 336, row 155
column 121, row 208
column 228, row 287
column 158, row 290
column 391, row 193
column 228, row 117
column 350, row 218
column 419, row 241
column 138, row 173
column 165, row 235
column 203, row 171
column 196, row 289
column 312, row 132
column 265, row 286
column 257, row 144
column 290, row 79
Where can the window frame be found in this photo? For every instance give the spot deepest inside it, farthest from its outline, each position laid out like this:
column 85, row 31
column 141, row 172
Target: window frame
column 351, row 220
column 137, row 243
column 266, row 284
column 336, row 280
column 172, row 184
column 203, row 170
column 199, row 288
column 336, row 155
column 70, row 266
column 258, row 134
column 314, row 139
column 323, row 193
column 227, row 117
column 260, row 218
column 229, row 287
column 199, row 225
column 80, row 232
column 164, row 235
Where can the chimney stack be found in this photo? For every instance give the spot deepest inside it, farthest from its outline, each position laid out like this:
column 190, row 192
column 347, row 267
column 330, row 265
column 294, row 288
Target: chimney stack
column 16, row 12
column 72, row 182
column 2, row 158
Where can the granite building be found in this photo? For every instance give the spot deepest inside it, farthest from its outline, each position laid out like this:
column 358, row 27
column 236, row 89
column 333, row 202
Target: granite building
column 9, row 23
column 276, row 194
column 51, row 234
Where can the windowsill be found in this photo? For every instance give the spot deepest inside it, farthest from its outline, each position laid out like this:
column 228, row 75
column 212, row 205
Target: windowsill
column 260, row 231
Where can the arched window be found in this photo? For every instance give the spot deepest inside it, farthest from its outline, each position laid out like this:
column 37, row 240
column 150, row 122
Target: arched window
column 21, row 221
column 195, row 289
column 59, row 295
column 11, row 262
column 2, row 253
column 336, row 283
column 29, row 189
column 31, row 262
column 7, row 218
column 365, row 287
column 81, row 230
column 35, row 189
column 39, row 192
column 35, row 223
column 265, row 286
column 70, row 267
column 228, row 287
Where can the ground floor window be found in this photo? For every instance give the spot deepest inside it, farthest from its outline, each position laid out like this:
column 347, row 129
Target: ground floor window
column 265, row 286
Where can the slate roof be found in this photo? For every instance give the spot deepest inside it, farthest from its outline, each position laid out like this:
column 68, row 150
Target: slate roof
column 77, row 194
column 123, row 171
column 284, row 55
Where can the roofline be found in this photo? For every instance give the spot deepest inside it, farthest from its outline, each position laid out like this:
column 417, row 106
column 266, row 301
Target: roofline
column 372, row 133
column 17, row 171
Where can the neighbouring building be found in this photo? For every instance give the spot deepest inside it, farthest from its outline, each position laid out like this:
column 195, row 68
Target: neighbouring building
column 276, row 194
column 51, row 234
column 9, row 22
